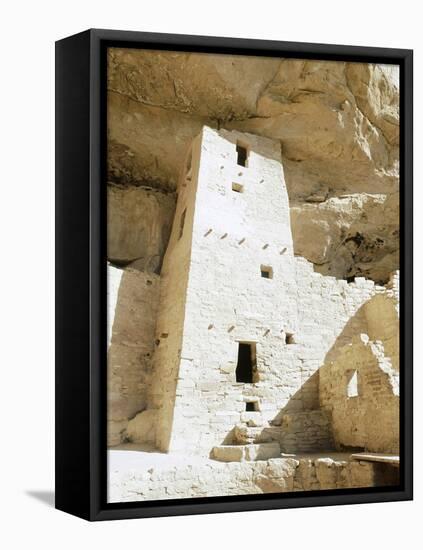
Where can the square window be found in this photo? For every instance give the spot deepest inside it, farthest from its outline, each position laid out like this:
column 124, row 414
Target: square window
column 237, row 187
column 289, row 338
column 266, row 272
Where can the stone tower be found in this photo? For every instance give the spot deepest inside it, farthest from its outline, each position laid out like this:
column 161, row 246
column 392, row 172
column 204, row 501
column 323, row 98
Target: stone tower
column 228, row 303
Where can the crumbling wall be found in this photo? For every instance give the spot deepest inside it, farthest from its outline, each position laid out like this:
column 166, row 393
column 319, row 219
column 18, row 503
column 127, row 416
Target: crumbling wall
column 132, row 312
column 382, row 314
column 359, row 382
column 360, row 389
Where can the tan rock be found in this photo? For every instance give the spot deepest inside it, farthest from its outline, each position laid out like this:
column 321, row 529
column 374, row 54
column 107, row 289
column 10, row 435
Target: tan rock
column 337, row 123
column 147, row 144
column 141, row 429
column 350, row 235
column 244, row 434
column 228, row 453
column 251, row 452
column 262, row 451
column 253, row 419
column 116, row 431
column 219, row 87
column 376, row 94
column 139, row 223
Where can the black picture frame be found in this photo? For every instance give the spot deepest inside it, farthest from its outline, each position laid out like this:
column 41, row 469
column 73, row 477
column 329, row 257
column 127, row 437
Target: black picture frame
column 81, row 267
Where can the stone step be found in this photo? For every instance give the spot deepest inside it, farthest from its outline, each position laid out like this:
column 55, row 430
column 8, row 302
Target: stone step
column 246, row 435
column 303, row 431
column 243, row 453
column 253, row 419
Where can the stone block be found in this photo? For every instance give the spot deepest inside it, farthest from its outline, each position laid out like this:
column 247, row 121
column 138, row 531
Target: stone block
column 262, row 451
column 228, row 453
column 253, row 419
column 244, row 435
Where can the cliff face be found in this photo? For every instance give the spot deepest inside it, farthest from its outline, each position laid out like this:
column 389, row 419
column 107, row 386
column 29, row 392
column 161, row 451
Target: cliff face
column 139, row 224
column 338, row 125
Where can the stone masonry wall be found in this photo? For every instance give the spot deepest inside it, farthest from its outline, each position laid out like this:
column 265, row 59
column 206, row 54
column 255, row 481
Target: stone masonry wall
column 170, row 329
column 359, row 386
column 227, row 300
column 217, row 479
column 385, row 306
column 365, row 415
column 307, row 431
column 329, row 314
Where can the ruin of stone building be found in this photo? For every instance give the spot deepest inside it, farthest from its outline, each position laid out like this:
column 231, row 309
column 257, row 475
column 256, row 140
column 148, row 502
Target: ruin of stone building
column 235, row 349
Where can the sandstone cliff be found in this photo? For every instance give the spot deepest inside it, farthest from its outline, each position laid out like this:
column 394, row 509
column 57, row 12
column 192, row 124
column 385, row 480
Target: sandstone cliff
column 337, row 123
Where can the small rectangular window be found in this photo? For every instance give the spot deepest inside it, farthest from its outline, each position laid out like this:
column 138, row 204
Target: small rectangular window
column 237, row 187
column 289, row 338
column 266, row 272
column 242, row 155
column 182, row 223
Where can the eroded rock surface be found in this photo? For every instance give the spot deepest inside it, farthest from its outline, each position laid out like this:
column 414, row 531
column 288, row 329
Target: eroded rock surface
column 349, row 235
column 139, row 224
column 337, row 123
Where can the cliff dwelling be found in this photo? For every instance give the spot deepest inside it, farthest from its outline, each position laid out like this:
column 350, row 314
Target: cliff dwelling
column 253, row 275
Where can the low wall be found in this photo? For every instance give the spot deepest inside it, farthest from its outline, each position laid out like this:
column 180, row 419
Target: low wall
column 272, row 476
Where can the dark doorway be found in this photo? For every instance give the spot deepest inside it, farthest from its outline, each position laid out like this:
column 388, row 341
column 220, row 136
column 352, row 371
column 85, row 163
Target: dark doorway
column 245, row 365
column 242, row 154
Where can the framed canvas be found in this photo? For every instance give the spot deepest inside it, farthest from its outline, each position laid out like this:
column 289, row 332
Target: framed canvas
column 232, row 217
